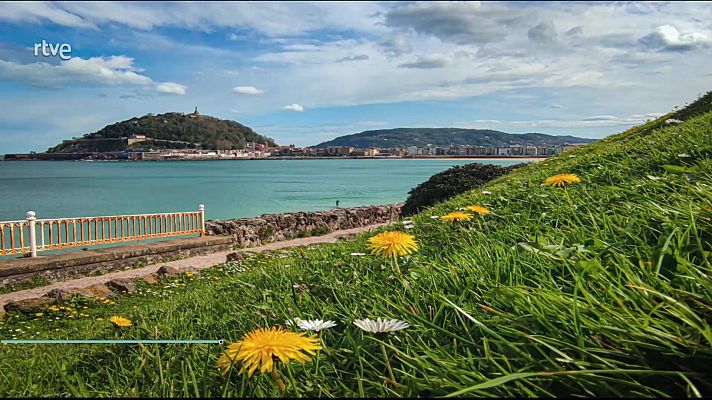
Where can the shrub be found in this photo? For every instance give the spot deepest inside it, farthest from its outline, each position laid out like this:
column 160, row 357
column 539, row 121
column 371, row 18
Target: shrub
column 451, row 182
column 266, row 232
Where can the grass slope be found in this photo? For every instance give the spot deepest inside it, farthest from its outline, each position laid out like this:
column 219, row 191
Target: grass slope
column 598, row 289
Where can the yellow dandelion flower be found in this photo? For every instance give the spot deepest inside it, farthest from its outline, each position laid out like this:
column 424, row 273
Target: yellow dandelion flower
column 457, row 216
column 263, row 346
column 39, row 314
column 120, row 321
column 479, row 210
column 562, row 180
column 393, row 244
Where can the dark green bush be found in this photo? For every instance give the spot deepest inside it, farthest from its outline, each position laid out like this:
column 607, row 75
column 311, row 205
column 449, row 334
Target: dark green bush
column 451, row 182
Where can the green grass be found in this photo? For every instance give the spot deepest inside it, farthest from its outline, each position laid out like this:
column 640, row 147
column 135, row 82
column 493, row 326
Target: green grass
column 598, row 289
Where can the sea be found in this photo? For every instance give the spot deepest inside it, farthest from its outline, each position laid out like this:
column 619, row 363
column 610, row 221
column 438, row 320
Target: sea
column 228, row 189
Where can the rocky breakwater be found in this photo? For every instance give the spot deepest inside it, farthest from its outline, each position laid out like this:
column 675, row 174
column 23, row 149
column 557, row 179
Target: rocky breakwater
column 275, row 227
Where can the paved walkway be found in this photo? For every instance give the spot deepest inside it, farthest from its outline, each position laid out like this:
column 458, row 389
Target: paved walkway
column 197, row 262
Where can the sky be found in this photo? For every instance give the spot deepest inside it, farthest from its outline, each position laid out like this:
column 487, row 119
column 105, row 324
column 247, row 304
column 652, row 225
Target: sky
column 303, row 73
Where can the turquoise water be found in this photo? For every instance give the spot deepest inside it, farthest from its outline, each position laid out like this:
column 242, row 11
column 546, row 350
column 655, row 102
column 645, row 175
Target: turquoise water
column 229, row 189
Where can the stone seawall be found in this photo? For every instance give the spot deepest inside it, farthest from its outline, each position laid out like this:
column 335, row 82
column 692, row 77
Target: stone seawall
column 275, row 227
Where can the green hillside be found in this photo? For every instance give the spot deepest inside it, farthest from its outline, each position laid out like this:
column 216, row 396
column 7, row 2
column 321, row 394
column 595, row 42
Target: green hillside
column 184, row 130
column 404, row 137
column 597, row 288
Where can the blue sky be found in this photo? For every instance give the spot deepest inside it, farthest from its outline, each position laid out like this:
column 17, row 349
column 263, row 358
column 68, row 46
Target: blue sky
column 303, row 73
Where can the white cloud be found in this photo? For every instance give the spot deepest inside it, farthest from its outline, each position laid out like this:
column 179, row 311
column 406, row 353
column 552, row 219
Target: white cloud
column 545, row 32
column 459, row 22
column 114, row 70
column 251, row 90
column 428, row 62
column 171, row 88
column 397, row 45
column 667, row 37
column 269, row 18
column 35, row 12
column 294, row 107
column 598, row 121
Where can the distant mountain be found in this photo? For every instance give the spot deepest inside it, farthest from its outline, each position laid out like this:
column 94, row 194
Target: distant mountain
column 170, row 130
column 404, row 137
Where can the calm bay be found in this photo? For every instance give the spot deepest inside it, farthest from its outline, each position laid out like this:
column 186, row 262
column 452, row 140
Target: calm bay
column 229, row 189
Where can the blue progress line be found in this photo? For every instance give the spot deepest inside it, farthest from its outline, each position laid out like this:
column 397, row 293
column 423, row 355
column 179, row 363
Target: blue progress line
column 101, row 341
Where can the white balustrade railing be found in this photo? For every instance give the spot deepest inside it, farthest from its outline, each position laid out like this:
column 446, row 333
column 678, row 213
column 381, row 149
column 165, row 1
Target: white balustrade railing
column 32, row 235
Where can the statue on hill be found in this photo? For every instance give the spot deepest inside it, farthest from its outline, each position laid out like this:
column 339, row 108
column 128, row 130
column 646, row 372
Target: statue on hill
column 194, row 114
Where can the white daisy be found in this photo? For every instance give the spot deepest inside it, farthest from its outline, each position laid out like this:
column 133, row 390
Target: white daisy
column 381, row 325
column 315, row 325
column 293, row 322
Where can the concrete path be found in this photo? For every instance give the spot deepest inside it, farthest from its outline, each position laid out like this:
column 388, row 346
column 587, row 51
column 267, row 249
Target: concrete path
column 197, row 262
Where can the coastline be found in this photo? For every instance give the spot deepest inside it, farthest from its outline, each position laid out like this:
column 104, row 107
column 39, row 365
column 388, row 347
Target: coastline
column 442, row 158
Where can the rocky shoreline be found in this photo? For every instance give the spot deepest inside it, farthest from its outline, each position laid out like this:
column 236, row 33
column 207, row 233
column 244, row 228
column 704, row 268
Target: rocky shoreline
column 276, row 227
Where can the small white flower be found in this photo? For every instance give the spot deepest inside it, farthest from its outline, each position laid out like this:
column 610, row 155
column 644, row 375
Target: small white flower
column 434, row 217
column 293, row 322
column 486, row 192
column 358, row 254
column 315, row 325
column 381, row 325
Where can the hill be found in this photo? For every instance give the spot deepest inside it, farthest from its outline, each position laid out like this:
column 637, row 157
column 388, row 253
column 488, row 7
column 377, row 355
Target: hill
column 404, row 137
column 169, row 130
column 600, row 288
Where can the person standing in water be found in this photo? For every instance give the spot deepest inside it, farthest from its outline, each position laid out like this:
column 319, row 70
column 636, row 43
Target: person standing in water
column 337, row 204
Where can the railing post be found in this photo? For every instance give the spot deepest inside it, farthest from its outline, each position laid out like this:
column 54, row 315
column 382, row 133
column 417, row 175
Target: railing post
column 33, row 237
column 201, row 209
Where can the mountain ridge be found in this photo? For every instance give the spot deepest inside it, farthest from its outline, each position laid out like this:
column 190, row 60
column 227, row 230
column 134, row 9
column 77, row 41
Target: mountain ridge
column 404, row 137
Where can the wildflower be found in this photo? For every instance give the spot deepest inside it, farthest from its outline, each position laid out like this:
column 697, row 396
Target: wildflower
column 293, row 322
column 562, row 180
column 457, row 216
column 434, row 216
column 393, row 244
column 381, row 325
column 120, row 321
column 315, row 325
column 260, row 347
column 39, row 314
column 479, row 210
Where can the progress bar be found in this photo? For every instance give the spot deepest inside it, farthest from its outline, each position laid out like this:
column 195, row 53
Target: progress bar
column 100, row 341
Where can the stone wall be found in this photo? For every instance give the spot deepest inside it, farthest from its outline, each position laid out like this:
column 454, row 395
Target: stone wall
column 274, row 227
column 77, row 264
